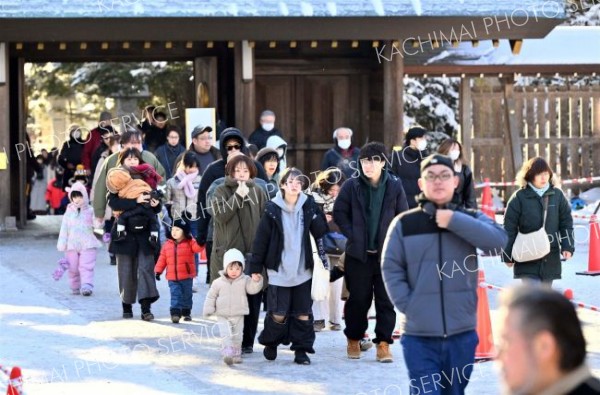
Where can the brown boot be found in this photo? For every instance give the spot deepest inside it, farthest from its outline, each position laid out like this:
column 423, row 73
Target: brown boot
column 383, row 352
column 353, row 349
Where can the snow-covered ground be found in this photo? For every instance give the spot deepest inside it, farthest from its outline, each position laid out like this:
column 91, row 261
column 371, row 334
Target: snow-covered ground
column 69, row 344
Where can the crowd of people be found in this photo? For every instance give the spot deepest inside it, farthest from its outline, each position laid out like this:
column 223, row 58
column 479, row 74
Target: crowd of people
column 383, row 223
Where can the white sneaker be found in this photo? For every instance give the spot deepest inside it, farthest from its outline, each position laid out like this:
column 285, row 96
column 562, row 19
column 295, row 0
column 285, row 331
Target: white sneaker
column 195, row 286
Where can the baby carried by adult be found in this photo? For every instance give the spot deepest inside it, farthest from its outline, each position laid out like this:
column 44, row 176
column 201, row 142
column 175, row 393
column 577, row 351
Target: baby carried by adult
column 135, row 179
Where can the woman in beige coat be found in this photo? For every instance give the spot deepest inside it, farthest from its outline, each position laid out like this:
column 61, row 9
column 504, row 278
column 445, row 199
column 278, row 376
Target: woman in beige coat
column 227, row 299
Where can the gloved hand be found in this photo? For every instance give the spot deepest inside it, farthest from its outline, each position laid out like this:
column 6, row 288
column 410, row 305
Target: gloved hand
column 242, row 189
column 157, row 276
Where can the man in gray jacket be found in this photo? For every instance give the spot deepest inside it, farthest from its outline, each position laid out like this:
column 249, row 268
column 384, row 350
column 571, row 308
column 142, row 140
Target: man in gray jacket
column 429, row 267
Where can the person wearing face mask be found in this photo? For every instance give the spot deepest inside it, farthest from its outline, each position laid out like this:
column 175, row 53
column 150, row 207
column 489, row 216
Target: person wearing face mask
column 343, row 154
column 267, row 129
column 70, row 153
column 406, row 163
column 464, row 194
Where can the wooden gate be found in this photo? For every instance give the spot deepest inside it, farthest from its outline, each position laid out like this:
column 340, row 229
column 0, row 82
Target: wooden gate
column 561, row 124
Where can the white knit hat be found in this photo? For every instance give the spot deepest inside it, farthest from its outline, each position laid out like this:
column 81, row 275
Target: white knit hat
column 233, row 255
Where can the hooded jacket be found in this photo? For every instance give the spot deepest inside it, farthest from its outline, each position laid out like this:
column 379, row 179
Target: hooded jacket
column 269, row 241
column 431, row 273
column 227, row 297
column 215, row 171
column 76, row 230
column 349, row 213
column 342, row 159
column 276, row 142
column 178, row 259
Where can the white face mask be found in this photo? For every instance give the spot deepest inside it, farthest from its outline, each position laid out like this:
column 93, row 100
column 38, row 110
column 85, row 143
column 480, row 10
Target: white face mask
column 268, row 126
column 421, row 145
column 454, row 154
column 344, row 144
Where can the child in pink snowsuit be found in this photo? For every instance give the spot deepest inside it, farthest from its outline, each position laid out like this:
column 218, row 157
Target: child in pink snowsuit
column 78, row 241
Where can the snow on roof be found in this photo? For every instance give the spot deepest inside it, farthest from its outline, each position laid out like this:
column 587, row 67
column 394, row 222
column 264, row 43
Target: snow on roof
column 563, row 45
column 551, row 9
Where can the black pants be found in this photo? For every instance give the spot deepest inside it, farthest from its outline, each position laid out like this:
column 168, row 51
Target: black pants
column 364, row 280
column 290, row 302
column 251, row 320
column 209, row 245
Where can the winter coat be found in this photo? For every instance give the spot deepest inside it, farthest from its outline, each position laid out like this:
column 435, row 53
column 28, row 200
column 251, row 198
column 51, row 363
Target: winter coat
column 54, row 194
column 167, row 156
column 154, row 137
column 107, row 210
column 70, row 154
column 215, row 171
column 101, row 192
column 268, row 243
column 178, row 259
column 180, row 201
column 235, row 219
column 134, row 243
column 227, row 298
column 259, row 136
column 349, row 213
column 406, row 164
column 525, row 214
column 464, row 194
column 277, row 143
column 431, row 274
column 345, row 160
column 91, row 145
column 101, row 151
column 77, row 229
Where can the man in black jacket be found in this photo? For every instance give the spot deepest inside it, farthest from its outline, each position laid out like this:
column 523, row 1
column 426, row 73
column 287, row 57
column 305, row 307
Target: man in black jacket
column 267, row 129
column 542, row 348
column 406, row 163
column 363, row 210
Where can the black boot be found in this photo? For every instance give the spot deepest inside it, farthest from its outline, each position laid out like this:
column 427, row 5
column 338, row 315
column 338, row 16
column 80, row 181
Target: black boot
column 301, row 358
column 127, row 310
column 273, row 334
column 187, row 314
column 146, row 313
column 302, row 335
column 175, row 316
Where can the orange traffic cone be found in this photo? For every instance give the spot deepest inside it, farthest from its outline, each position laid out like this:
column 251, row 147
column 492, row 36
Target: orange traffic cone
column 203, row 258
column 15, row 385
column 485, row 348
column 486, row 200
column 594, row 253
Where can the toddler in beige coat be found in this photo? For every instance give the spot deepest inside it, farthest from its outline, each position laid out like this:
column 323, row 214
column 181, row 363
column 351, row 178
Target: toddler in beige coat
column 228, row 301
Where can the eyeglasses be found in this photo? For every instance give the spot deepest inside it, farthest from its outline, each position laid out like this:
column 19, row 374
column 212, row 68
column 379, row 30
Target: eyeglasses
column 445, row 176
column 232, row 147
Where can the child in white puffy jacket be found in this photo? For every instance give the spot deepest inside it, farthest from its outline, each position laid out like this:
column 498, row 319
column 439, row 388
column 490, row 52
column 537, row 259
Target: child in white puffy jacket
column 78, row 241
column 228, row 301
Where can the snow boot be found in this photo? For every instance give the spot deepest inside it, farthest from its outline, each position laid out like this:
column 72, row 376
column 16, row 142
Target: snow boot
column 383, row 352
column 127, row 310
column 301, row 358
column 146, row 313
column 175, row 316
column 187, row 314
column 353, row 349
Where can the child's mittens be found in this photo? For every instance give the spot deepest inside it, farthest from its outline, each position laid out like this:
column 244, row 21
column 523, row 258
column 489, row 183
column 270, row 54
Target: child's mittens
column 157, row 276
column 61, row 268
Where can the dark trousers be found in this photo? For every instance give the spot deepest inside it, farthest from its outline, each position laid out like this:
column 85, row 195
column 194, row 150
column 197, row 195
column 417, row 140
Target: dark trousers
column 437, row 365
column 251, row 320
column 290, row 302
column 364, row 280
column 209, row 245
column 181, row 294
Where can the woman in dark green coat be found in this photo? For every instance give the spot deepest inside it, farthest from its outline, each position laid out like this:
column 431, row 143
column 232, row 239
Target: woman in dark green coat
column 525, row 214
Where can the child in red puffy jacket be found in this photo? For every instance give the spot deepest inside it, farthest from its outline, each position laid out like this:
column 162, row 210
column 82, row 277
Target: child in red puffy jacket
column 177, row 256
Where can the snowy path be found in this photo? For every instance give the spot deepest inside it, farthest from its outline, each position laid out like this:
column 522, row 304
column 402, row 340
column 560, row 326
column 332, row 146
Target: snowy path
column 69, row 344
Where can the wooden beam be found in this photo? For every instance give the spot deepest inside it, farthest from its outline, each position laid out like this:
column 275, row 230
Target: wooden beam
column 245, row 96
column 512, row 135
column 466, row 119
column 393, row 101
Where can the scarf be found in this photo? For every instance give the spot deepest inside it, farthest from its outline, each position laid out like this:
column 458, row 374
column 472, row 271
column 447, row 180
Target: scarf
column 148, row 174
column 539, row 191
column 187, row 182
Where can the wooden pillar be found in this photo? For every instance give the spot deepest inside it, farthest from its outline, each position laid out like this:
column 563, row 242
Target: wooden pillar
column 205, row 71
column 245, row 90
column 5, row 145
column 466, row 119
column 512, row 132
column 393, row 100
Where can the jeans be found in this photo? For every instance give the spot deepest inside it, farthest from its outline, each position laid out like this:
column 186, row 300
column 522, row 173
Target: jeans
column 181, row 294
column 437, row 365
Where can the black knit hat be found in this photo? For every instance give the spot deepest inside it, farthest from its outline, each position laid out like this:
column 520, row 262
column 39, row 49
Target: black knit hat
column 183, row 224
column 437, row 159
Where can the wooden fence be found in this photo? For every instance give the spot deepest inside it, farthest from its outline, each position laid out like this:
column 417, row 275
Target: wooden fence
column 505, row 125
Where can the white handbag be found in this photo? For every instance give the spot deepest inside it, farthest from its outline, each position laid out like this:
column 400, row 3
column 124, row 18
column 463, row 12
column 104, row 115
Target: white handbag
column 532, row 246
column 320, row 278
